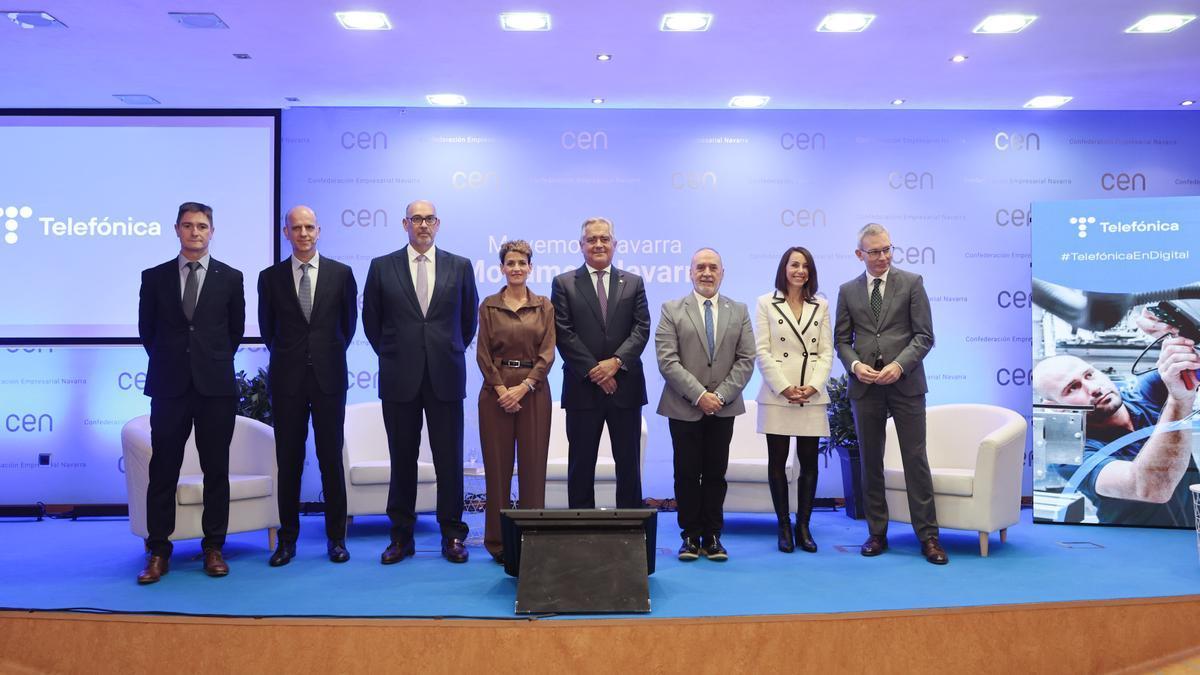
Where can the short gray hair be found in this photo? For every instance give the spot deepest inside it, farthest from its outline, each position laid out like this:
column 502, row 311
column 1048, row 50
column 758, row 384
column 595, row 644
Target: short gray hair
column 597, row 219
column 871, row 229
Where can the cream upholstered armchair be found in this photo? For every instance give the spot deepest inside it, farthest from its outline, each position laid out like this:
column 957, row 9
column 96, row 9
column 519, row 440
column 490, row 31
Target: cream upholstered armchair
column 368, row 466
column 253, row 472
column 747, row 473
column 976, row 455
column 606, row 468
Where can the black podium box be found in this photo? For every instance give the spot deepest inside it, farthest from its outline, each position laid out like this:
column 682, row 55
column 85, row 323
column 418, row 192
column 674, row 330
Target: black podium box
column 580, row 560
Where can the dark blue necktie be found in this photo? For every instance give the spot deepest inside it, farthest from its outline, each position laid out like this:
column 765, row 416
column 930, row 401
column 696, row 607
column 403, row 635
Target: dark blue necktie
column 708, row 328
column 876, row 298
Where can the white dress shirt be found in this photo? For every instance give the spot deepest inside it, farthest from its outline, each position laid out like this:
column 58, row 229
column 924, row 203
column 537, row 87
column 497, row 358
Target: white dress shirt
column 200, row 273
column 882, row 285
column 312, row 275
column 700, row 309
column 608, row 278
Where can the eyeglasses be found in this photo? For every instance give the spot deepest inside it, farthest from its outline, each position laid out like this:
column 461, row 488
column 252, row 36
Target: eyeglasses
column 879, row 252
column 428, row 220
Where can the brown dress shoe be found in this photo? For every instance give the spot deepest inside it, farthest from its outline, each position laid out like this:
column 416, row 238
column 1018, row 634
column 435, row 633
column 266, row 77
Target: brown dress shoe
column 874, row 545
column 155, row 569
column 454, row 551
column 932, row 549
column 396, row 551
column 214, row 564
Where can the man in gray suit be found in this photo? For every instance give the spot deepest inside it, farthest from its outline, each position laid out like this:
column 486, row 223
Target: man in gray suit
column 884, row 330
column 706, row 352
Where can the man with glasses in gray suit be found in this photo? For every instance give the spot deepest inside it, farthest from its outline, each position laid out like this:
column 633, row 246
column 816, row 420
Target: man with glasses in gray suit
column 884, row 330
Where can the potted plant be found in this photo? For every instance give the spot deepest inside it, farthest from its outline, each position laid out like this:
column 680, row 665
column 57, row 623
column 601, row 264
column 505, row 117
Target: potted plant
column 253, row 400
column 843, row 437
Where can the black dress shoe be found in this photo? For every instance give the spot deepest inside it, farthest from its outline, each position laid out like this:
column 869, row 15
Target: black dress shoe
column 283, row 554
column 689, row 550
column 786, row 543
column 337, row 551
column 396, row 551
column 932, row 549
column 454, row 551
column 874, row 545
column 804, row 538
column 497, row 557
column 712, row 549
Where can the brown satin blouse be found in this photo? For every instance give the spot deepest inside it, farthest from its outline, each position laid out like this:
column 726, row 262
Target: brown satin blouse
column 524, row 335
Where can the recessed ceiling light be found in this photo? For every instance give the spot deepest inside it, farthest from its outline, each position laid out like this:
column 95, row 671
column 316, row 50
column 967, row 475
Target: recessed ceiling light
column 136, row 99
column 446, row 99
column 604, row 57
column 958, row 58
column 241, row 57
column 897, row 101
column 748, row 101
column 1161, row 23
column 1047, row 101
column 35, row 20
column 1187, row 102
column 845, row 23
column 525, row 21
column 685, row 22
column 363, row 20
column 597, row 101
column 198, row 19
column 1005, row 23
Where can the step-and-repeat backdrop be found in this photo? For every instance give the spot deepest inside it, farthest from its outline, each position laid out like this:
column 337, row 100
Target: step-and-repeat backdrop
column 954, row 187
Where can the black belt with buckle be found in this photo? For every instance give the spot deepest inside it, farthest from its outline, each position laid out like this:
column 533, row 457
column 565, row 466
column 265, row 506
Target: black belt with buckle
column 513, row 363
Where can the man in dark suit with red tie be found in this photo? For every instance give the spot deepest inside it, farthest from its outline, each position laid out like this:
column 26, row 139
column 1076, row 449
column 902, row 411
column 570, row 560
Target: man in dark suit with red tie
column 191, row 317
column 602, row 324
column 308, row 311
column 419, row 314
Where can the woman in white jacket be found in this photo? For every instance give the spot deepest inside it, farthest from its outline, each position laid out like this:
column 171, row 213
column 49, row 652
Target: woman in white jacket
column 795, row 354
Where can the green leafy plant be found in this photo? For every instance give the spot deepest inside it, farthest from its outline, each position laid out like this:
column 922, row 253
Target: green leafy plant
column 841, row 419
column 253, row 400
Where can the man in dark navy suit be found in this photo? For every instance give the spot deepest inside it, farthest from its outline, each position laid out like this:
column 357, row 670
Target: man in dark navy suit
column 191, row 317
column 603, row 324
column 308, row 311
column 419, row 314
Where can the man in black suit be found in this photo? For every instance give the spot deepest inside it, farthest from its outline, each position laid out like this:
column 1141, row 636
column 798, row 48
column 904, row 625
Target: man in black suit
column 191, row 317
column 308, row 311
column 603, row 324
column 419, row 314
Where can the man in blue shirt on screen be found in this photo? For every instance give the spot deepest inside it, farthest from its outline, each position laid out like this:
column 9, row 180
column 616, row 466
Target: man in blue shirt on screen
column 1146, row 480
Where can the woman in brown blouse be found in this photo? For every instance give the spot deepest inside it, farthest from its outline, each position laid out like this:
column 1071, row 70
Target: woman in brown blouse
column 515, row 349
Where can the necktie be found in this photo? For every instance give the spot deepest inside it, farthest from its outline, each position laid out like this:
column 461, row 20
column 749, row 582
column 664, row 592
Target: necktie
column 602, row 295
column 708, row 328
column 191, row 290
column 423, row 283
column 305, row 291
column 876, row 298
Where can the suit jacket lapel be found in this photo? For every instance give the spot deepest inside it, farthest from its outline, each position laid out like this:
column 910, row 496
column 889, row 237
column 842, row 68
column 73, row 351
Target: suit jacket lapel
column 891, row 289
column 722, row 327
column 325, row 282
column 693, row 313
column 616, row 291
column 404, row 276
column 583, row 284
column 212, row 275
column 441, row 278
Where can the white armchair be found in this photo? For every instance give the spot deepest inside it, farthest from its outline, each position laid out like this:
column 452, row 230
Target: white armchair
column 606, row 468
column 747, row 474
column 976, row 455
column 368, row 465
column 252, row 477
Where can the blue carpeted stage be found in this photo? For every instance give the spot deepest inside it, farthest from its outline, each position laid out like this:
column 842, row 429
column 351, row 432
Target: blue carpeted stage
column 91, row 565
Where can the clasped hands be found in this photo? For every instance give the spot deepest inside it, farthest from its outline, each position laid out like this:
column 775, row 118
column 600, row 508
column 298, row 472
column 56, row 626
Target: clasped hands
column 509, row 398
column 604, row 374
column 799, row 395
column 886, row 375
